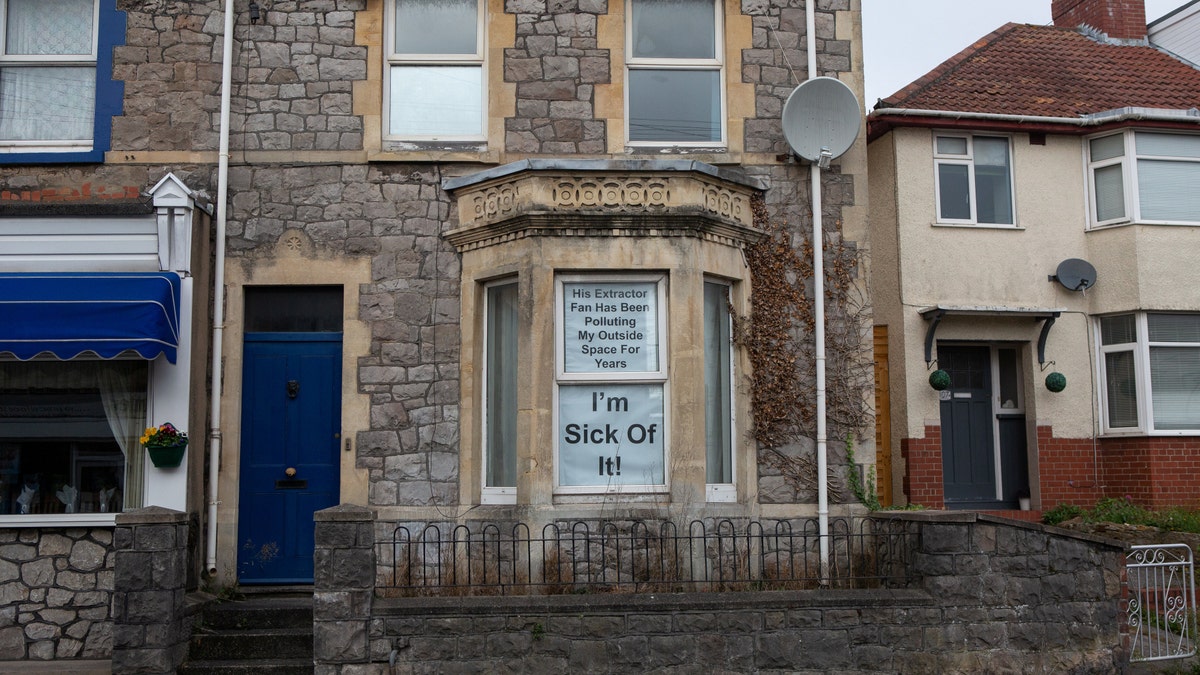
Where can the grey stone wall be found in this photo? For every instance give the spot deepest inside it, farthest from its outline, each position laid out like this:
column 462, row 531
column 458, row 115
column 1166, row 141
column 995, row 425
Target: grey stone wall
column 344, row 586
column 56, row 587
column 992, row 596
column 151, row 621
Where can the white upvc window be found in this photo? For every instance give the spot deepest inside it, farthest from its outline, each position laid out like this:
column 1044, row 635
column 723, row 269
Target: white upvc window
column 434, row 87
column 718, row 394
column 1144, row 177
column 974, row 179
column 47, row 75
column 1150, row 367
column 611, row 389
column 674, row 79
column 500, row 334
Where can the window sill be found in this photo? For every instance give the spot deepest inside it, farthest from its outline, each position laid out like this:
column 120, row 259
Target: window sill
column 59, row 520
column 1147, row 223
column 978, row 226
column 720, row 492
column 435, row 151
column 1141, row 433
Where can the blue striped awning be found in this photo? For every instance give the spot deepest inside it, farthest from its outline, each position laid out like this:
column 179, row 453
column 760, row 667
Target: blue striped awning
column 68, row 314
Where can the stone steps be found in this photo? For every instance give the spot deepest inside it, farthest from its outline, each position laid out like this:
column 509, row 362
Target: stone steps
column 269, row 634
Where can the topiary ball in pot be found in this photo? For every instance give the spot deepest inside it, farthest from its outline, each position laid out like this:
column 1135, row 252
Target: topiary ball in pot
column 939, row 380
column 1056, row 382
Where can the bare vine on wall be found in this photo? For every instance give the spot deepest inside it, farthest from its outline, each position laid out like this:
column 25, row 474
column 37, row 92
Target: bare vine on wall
column 778, row 336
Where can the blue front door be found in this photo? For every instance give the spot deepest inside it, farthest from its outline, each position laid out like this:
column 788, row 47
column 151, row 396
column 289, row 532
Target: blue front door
column 291, row 431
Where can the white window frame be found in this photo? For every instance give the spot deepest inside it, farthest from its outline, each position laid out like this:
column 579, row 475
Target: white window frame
column 968, row 160
column 659, row 376
column 50, row 60
column 393, row 59
column 1144, row 387
column 491, row 494
column 1127, row 179
column 723, row 492
column 1131, row 182
column 717, row 63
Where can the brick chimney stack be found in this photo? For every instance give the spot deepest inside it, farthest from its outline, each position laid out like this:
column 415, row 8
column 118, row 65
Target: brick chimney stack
column 1121, row 19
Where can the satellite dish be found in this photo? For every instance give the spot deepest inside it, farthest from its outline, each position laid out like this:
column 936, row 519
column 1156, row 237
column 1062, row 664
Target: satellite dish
column 1075, row 274
column 821, row 119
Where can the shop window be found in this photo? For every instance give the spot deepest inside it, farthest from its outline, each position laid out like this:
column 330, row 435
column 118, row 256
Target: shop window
column 69, row 436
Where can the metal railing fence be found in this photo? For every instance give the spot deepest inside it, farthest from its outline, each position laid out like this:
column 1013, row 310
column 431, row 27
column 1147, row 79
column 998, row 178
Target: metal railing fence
column 641, row 557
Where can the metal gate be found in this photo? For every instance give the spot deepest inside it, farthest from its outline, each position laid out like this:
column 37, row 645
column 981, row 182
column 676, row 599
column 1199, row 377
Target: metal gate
column 1162, row 602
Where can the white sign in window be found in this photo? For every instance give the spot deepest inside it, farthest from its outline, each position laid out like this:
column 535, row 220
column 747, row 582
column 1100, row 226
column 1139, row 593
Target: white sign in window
column 610, row 434
column 610, row 327
column 612, row 383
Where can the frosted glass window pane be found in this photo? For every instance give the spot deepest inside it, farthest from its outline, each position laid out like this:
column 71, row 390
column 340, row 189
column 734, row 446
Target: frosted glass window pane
column 437, row 101
column 1167, row 145
column 675, row 106
column 1110, row 192
column 1121, row 387
column 1174, row 327
column 501, row 386
column 954, row 192
column 1167, row 190
column 674, row 29
column 1107, row 147
column 47, row 104
column 717, row 413
column 436, row 27
column 1118, row 330
column 1175, row 387
column 951, row 145
column 37, row 27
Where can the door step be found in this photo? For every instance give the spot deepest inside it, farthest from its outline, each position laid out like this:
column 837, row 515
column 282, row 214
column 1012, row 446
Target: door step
column 265, row 632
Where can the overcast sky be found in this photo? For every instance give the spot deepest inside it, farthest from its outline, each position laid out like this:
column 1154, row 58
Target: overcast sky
column 904, row 39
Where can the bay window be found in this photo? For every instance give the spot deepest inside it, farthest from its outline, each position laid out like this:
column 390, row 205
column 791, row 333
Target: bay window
column 435, row 80
column 1151, row 372
column 718, row 394
column 1143, row 176
column 974, row 179
column 500, row 393
column 674, row 73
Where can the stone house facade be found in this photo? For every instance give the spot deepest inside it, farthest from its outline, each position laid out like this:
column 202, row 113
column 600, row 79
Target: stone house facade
column 419, row 199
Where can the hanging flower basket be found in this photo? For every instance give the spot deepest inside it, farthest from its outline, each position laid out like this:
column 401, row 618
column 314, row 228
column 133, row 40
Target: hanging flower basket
column 166, row 445
column 939, row 380
column 1056, row 382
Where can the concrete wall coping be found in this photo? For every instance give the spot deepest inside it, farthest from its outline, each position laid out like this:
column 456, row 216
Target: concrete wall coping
column 150, row 515
column 651, row 602
column 604, row 165
column 972, row 517
column 344, row 513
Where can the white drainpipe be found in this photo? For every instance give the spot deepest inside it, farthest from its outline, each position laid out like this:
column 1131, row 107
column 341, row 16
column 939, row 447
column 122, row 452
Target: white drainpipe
column 818, row 243
column 214, row 434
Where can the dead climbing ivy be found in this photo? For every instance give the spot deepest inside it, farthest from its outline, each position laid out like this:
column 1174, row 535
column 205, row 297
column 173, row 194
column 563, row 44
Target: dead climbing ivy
column 778, row 336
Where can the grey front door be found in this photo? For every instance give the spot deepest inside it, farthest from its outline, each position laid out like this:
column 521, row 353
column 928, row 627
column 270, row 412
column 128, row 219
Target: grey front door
column 968, row 443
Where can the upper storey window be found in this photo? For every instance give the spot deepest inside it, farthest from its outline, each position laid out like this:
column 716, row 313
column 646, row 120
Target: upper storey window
column 435, row 80
column 1158, row 185
column 674, row 73
column 48, row 74
column 974, row 180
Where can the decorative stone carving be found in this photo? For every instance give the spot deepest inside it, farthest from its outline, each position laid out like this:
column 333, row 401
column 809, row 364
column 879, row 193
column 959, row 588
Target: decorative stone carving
column 621, row 194
column 496, row 202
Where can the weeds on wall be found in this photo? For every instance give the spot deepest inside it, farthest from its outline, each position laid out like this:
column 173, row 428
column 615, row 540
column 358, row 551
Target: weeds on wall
column 779, row 333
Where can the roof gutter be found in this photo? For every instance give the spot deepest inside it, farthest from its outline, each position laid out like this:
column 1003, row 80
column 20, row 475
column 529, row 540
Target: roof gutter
column 1097, row 119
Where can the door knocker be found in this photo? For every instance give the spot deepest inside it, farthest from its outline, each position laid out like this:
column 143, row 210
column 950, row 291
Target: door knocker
column 293, row 388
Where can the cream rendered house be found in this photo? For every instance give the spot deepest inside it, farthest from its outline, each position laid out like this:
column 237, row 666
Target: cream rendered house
column 1034, row 219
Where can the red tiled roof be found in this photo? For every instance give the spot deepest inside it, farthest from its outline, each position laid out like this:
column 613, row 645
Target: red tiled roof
column 1045, row 71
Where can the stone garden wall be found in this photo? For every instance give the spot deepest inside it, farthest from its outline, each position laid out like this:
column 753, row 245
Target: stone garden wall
column 992, row 596
column 56, row 587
